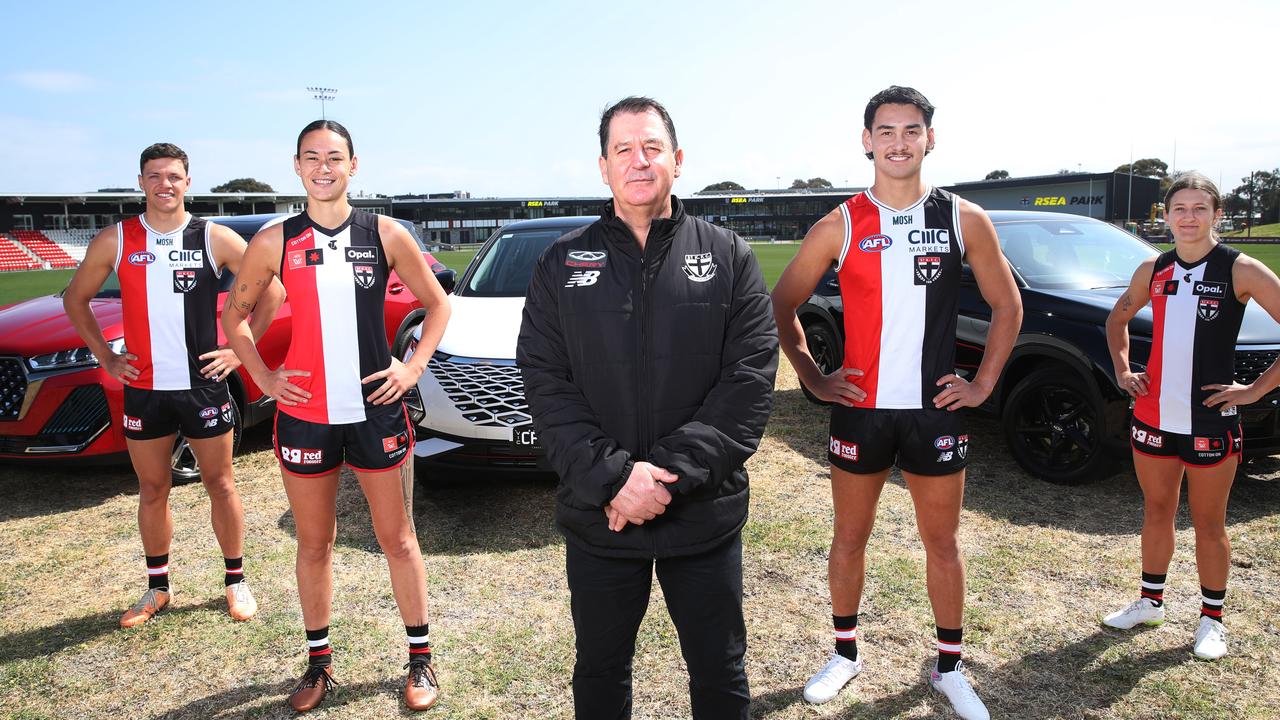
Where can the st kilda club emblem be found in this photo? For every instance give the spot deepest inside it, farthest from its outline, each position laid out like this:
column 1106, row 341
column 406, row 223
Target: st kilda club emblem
column 928, row 268
column 184, row 280
column 364, row 275
column 699, row 267
column 1207, row 309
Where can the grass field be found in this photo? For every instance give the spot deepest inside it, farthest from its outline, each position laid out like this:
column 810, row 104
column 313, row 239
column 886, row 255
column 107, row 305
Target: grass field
column 1272, row 230
column 1043, row 561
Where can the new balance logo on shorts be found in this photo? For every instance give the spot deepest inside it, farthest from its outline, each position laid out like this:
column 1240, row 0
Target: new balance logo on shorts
column 842, row 449
column 583, row 278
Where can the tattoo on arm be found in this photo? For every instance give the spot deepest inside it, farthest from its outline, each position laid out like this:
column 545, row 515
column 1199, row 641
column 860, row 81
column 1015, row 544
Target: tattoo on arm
column 406, row 490
column 1126, row 302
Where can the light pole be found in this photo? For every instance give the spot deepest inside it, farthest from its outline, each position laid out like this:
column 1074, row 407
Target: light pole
column 322, row 94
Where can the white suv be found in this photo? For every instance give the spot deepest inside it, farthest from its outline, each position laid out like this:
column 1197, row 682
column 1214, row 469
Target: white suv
column 469, row 406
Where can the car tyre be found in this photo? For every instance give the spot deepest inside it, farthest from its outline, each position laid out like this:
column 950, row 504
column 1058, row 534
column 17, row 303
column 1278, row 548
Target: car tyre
column 183, row 466
column 1054, row 426
column 826, row 349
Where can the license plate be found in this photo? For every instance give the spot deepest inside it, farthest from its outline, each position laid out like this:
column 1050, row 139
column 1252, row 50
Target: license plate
column 526, row 438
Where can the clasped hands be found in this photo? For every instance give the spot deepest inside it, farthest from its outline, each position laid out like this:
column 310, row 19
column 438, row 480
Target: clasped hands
column 644, row 496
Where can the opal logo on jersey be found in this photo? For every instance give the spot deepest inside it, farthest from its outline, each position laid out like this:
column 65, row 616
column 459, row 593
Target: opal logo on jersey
column 875, row 243
column 364, row 254
column 928, row 269
column 1207, row 308
column 301, row 456
column 699, row 267
column 363, row 275
column 142, row 258
column 944, row 442
column 583, row 278
column 208, row 412
column 1212, row 289
column 132, row 423
column 586, row 258
column 184, row 280
column 844, row 450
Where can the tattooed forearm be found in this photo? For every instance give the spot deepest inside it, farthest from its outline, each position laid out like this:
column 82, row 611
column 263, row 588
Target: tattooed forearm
column 1126, row 302
column 406, row 489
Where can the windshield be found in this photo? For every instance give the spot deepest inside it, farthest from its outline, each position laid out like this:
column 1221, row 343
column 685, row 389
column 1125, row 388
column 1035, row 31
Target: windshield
column 1072, row 254
column 504, row 267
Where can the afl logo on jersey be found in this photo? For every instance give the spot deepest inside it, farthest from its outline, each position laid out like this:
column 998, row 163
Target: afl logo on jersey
column 363, row 275
column 944, row 442
column 142, row 258
column 1207, row 309
column 928, row 269
column 875, row 243
column 184, row 280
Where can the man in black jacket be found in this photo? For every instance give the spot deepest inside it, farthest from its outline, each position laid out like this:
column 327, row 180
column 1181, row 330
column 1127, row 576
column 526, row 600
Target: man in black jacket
column 648, row 350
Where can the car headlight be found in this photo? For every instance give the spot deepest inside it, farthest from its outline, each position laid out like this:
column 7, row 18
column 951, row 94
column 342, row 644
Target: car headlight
column 79, row 357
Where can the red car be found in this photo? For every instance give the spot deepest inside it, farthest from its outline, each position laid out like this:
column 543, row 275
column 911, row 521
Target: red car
column 56, row 403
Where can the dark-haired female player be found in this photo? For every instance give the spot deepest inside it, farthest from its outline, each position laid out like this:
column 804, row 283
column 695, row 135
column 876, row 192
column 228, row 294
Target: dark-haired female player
column 339, row 391
column 1186, row 410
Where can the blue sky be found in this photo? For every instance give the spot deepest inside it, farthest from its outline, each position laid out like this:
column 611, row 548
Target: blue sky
column 502, row 99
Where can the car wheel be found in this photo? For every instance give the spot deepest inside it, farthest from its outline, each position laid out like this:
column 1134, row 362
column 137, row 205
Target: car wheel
column 1053, row 425
column 403, row 341
column 825, row 348
column 184, row 467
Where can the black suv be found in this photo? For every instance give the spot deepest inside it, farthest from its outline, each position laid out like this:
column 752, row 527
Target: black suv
column 1064, row 418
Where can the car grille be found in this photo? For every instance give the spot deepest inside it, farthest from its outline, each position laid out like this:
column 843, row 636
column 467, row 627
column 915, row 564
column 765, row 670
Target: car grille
column 81, row 414
column 1252, row 363
column 486, row 395
column 13, row 388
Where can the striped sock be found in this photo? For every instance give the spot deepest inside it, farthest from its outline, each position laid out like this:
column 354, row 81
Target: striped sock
column 235, row 570
column 158, row 572
column 419, row 637
column 949, row 644
column 1153, row 588
column 318, row 651
column 1211, row 602
column 846, row 635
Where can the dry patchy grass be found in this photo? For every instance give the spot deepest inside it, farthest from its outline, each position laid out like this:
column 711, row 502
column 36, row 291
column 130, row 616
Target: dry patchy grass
column 1043, row 561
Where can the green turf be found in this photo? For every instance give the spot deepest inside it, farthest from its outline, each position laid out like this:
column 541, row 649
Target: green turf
column 1272, row 230
column 15, row 286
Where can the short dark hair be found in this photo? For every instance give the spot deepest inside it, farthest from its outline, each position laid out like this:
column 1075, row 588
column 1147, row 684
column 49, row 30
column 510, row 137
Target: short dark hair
column 333, row 125
column 635, row 104
column 1194, row 181
column 163, row 150
column 897, row 95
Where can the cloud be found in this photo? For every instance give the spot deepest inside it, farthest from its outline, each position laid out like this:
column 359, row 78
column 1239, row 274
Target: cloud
column 52, row 81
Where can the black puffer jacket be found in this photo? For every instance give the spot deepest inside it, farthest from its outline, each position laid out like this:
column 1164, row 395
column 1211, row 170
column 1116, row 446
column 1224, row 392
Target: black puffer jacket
column 666, row 355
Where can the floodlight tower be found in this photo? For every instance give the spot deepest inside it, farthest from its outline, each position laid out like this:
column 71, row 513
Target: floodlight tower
column 322, row 94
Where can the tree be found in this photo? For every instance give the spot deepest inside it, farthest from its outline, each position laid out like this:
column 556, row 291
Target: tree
column 724, row 186
column 1147, row 167
column 816, row 183
column 243, row 185
column 997, row 175
column 1261, row 191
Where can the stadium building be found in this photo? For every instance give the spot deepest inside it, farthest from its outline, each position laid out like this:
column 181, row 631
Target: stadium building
column 53, row 230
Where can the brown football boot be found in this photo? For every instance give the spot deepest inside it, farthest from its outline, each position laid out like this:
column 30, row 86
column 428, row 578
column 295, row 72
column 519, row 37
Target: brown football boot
column 153, row 601
column 314, row 685
column 240, row 602
column 421, row 689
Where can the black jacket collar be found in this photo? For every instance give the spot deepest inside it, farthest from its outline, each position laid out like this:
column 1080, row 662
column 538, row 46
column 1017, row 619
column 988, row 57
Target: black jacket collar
column 661, row 230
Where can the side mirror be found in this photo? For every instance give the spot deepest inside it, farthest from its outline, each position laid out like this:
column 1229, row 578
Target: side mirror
column 447, row 279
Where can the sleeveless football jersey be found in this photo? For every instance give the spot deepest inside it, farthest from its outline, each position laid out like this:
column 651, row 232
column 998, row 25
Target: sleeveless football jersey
column 169, row 292
column 336, row 280
column 1197, row 319
column 899, row 274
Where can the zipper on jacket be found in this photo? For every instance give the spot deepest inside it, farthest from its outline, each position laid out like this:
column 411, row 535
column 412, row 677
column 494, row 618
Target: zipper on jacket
column 643, row 402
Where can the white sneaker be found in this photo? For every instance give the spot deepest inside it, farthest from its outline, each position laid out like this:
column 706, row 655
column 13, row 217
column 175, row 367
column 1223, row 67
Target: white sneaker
column 1211, row 639
column 1140, row 612
column 837, row 673
column 956, row 687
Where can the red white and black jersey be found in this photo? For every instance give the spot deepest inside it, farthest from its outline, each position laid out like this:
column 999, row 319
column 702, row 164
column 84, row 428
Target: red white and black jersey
column 899, row 274
column 1197, row 320
column 169, row 291
column 336, row 280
